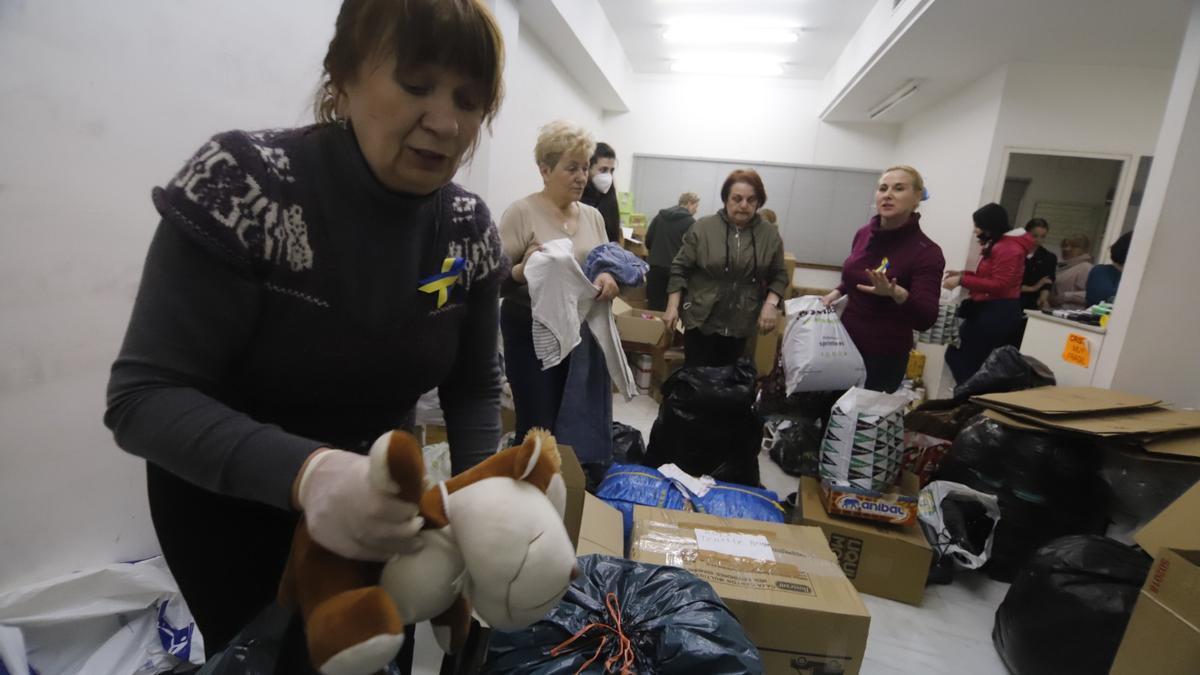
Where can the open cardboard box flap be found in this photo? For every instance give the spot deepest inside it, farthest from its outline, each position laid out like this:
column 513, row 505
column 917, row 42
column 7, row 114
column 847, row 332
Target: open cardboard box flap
column 1174, row 527
column 1051, row 401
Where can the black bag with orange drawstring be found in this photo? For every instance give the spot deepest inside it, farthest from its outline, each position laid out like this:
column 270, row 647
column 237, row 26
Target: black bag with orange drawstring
column 621, row 616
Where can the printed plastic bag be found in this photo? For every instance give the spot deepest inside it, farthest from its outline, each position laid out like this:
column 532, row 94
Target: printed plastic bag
column 1067, row 610
column 864, row 441
column 944, row 330
column 959, row 522
column 123, row 618
column 818, row 354
column 648, row 618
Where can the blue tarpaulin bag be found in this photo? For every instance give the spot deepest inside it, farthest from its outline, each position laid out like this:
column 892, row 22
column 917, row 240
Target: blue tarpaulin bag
column 627, row 485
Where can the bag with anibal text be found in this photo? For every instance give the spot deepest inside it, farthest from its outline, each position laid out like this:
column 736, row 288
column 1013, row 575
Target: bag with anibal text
column 864, row 440
column 818, row 354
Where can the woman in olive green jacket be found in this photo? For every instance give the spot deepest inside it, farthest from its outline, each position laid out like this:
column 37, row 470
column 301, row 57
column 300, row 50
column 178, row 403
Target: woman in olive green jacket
column 728, row 277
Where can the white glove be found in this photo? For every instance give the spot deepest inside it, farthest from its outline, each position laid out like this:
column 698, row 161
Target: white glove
column 348, row 516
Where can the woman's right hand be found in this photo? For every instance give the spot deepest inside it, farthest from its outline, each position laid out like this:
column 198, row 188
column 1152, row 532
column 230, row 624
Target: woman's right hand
column 348, row 516
column 832, row 297
column 518, row 270
column 671, row 317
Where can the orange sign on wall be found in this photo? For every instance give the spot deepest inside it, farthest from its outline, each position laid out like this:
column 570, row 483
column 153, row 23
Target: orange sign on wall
column 1076, row 350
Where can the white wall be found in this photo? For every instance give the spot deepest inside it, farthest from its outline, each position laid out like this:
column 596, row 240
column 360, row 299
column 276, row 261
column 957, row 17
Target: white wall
column 881, row 27
column 761, row 120
column 539, row 90
column 101, row 103
column 950, row 144
column 1151, row 343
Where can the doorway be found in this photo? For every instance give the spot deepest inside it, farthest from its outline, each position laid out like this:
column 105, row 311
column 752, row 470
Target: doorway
column 1075, row 195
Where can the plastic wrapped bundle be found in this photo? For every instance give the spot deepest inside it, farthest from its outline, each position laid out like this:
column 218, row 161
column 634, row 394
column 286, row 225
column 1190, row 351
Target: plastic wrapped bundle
column 1067, row 610
column 623, row 616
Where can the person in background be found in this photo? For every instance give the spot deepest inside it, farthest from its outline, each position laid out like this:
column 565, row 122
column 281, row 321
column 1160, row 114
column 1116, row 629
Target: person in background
column 728, row 277
column 993, row 313
column 1070, row 282
column 663, row 238
column 769, row 216
column 556, row 212
column 600, row 192
column 303, row 288
column 1040, row 267
column 890, row 279
column 1103, row 280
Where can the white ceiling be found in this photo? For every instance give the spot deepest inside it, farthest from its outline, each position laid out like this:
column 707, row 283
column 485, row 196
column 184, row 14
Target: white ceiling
column 827, row 26
column 956, row 42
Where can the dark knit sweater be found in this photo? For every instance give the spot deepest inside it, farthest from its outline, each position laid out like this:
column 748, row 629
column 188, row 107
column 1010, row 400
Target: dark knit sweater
column 279, row 312
column 878, row 326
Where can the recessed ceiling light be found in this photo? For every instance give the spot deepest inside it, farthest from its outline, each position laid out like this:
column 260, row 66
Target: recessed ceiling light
column 728, row 64
column 716, row 32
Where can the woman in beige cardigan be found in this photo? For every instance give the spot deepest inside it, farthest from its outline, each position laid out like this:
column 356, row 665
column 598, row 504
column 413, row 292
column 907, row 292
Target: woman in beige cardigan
column 1070, row 283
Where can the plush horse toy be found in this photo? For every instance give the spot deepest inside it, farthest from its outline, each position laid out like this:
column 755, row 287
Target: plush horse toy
column 493, row 539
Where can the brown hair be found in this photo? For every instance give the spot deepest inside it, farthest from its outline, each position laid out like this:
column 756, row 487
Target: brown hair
column 749, row 177
column 1079, row 241
column 458, row 34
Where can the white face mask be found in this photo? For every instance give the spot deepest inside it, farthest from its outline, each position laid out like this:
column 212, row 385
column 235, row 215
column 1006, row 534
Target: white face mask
column 603, row 182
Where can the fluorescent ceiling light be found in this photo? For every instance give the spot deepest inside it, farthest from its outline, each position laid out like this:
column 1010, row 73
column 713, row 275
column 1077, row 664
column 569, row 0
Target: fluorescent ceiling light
column 716, row 33
column 903, row 92
column 728, row 64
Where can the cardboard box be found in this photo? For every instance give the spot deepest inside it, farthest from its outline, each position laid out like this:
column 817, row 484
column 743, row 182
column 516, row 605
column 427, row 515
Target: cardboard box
column 887, row 561
column 572, row 473
column 781, row 581
column 600, row 529
column 1163, row 635
column 895, row 507
column 634, row 296
column 641, row 330
column 1175, row 527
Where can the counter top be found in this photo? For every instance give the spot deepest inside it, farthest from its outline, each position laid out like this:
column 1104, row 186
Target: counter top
column 1036, row 314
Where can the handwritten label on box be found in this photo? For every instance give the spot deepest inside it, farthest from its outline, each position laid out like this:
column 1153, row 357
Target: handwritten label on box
column 1076, row 350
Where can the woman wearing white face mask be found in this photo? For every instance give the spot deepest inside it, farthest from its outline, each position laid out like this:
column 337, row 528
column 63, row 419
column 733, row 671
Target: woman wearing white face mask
column 600, row 192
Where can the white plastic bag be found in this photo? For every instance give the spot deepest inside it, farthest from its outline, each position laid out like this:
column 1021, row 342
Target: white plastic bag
column 944, row 330
column 946, row 541
column 864, row 440
column 818, row 354
column 123, row 618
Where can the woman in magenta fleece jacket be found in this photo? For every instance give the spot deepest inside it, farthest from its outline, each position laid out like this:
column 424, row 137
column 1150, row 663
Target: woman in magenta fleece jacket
column 891, row 278
column 993, row 312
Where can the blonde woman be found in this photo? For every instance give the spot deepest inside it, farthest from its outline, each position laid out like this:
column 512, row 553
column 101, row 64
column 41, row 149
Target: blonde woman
column 892, row 277
column 555, row 212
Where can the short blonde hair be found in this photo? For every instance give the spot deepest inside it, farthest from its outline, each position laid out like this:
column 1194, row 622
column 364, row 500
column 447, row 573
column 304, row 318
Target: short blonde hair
column 560, row 138
column 688, row 198
column 918, row 181
column 768, row 215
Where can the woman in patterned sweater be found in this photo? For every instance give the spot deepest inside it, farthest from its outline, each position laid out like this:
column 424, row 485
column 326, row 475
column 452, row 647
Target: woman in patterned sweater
column 304, row 287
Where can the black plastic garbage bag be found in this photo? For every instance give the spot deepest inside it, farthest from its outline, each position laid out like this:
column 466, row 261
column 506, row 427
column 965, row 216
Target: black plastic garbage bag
column 982, row 446
column 794, row 443
column 674, row 623
column 1005, row 369
column 1066, row 611
column 706, row 424
column 628, row 446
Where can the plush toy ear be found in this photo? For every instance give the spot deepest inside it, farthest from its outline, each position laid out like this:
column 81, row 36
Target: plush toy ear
column 397, row 465
column 537, row 459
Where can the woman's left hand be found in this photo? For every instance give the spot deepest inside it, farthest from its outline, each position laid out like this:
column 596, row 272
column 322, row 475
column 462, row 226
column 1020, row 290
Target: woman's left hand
column 607, row 285
column 768, row 318
column 952, row 280
column 881, row 285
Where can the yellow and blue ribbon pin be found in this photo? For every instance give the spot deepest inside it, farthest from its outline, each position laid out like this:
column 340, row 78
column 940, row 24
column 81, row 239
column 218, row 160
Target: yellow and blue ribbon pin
column 441, row 282
column 884, row 265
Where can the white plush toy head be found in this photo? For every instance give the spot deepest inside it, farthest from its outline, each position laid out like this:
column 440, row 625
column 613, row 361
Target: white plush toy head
column 509, row 528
